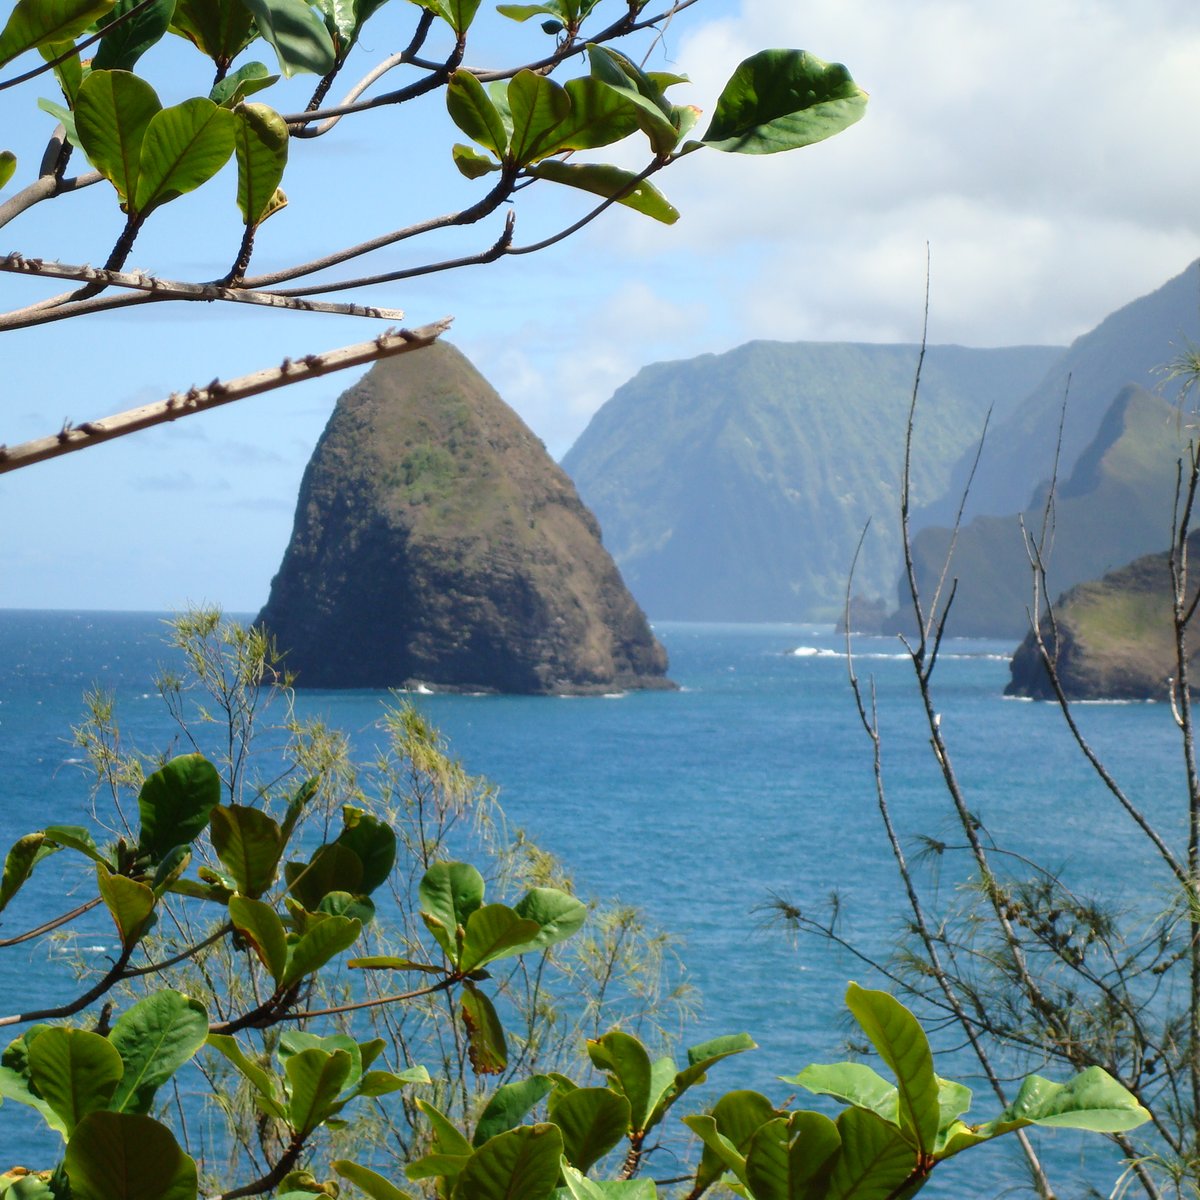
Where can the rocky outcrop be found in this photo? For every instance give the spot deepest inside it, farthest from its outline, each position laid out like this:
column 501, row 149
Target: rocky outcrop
column 1114, row 637
column 436, row 543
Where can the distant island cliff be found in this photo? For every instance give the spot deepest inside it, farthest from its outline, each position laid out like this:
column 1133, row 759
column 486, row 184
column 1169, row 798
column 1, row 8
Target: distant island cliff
column 436, row 543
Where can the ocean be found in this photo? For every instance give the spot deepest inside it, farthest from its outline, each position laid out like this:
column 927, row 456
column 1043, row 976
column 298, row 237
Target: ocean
column 752, row 781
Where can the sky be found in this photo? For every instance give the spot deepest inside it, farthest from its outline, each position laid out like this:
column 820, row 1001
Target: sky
column 1043, row 152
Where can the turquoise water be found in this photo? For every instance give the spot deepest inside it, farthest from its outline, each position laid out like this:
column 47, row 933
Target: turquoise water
column 755, row 777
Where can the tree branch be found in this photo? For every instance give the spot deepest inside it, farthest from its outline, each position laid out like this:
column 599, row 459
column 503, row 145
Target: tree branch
column 78, row 437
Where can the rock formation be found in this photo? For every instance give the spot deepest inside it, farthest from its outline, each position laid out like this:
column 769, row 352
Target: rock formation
column 1114, row 637
column 436, row 543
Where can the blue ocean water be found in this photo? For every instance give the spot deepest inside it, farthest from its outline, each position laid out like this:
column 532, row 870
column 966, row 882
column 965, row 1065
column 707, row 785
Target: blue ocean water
column 697, row 805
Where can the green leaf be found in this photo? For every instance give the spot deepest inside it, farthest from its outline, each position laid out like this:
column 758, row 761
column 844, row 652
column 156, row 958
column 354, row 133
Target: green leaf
column 367, row 836
column 509, row 1103
column 449, row 893
column 237, row 85
column 471, row 163
column 522, row 12
column 472, row 110
column 369, row 1182
column 736, row 1116
column 875, row 1159
column 261, row 144
column 112, row 112
column 315, row 1079
column 593, row 1121
column 447, row 1139
column 486, row 1046
column 120, row 49
column 954, row 1099
column 28, row 851
column 815, row 1148
column 125, row 1156
column 391, row 963
column 221, row 29
column 901, row 1042
column 130, row 903
column 259, row 1077
column 538, row 107
column 261, row 927
column 724, row 1154
column 494, row 931
column 74, row 837
column 458, row 14
column 383, row 1083
column 653, row 111
column 854, row 1083
column 154, row 1038
column 16, row 1083
column 8, row 165
column 703, row 1057
column 35, row 22
column 332, row 868
column 781, row 100
column 557, row 914
column 579, row 1187
column 628, row 1066
column 296, row 34
column 247, row 841
column 600, row 115
column 68, row 72
column 321, row 943
column 75, row 1071
column 767, row 1164
column 522, row 1163
column 185, row 146
column 175, row 803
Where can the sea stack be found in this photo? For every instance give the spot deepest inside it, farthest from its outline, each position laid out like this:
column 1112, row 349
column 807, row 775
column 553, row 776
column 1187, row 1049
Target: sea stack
column 437, row 544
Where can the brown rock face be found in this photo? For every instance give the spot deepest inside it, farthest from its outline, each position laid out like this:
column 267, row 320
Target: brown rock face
column 435, row 542
column 1115, row 639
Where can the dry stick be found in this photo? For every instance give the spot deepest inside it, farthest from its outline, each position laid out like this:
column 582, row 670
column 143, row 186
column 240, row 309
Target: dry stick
column 51, row 925
column 45, row 187
column 104, row 984
column 312, row 366
column 870, row 723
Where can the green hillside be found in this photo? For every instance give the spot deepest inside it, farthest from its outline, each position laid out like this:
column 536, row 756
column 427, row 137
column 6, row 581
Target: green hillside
column 735, row 486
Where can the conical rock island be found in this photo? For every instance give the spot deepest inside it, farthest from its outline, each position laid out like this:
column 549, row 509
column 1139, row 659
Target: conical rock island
column 436, row 543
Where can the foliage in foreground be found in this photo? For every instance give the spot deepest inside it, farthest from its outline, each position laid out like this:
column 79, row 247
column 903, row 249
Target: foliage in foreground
column 272, row 920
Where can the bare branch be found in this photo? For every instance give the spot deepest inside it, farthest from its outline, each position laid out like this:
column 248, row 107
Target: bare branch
column 77, row 437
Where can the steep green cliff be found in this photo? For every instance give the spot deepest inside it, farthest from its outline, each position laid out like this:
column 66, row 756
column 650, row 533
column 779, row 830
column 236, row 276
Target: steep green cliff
column 435, row 542
column 1113, row 506
column 735, row 486
column 1114, row 637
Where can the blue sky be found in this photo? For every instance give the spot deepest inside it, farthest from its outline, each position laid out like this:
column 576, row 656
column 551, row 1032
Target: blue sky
column 1044, row 149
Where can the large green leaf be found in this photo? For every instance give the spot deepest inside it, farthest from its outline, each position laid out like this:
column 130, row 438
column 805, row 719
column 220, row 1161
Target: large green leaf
column 522, row 1164
column 458, row 14
column 652, row 109
column 448, row 894
column 262, row 1080
column 874, row 1161
column 221, row 29
column 494, row 931
column 122, row 46
column 855, row 1083
column 725, row 1156
column 315, row 1078
column 130, row 903
column 35, row 22
column 25, row 854
column 781, row 100
column 600, row 115
column 154, row 1038
column 297, row 35
column 176, row 801
column 593, row 1121
column 703, row 1057
column 369, row 1182
column 557, row 915
column 448, row 1139
column 112, row 111
column 17, row 1084
column 472, row 110
column 509, row 1104
column 816, row 1144
column 538, row 107
column 901, row 1042
column 628, row 1066
column 373, row 841
column 601, row 179
column 185, row 146
column 321, row 943
column 332, row 868
column 736, row 1117
column 74, row 837
column 579, row 1187
column 75, row 1071
column 247, row 841
column 126, row 1156
column 767, row 1163
column 486, row 1046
